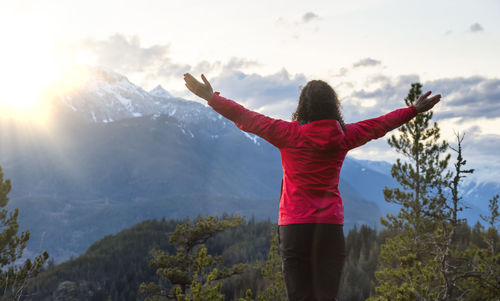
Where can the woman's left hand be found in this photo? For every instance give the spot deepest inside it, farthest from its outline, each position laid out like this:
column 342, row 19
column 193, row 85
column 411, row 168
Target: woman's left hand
column 424, row 104
column 204, row 91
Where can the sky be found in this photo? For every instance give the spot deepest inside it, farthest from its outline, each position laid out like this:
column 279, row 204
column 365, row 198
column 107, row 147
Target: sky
column 261, row 53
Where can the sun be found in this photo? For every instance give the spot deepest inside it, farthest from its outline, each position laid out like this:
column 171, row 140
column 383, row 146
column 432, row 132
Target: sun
column 34, row 68
column 26, row 69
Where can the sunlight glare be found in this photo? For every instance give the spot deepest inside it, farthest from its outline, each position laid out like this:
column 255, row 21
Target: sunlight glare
column 26, row 69
column 34, row 70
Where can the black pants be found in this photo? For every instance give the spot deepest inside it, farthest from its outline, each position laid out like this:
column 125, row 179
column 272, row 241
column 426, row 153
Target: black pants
column 313, row 257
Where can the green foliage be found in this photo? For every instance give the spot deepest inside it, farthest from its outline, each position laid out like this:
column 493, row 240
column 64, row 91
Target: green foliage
column 362, row 249
column 192, row 272
column 248, row 296
column 408, row 262
column 272, row 273
column 13, row 278
column 426, row 257
column 424, row 172
column 116, row 265
column 112, row 267
column 481, row 279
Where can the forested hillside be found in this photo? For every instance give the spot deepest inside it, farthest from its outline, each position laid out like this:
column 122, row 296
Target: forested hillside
column 115, row 266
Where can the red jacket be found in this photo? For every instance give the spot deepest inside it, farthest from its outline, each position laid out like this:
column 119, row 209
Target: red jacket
column 312, row 155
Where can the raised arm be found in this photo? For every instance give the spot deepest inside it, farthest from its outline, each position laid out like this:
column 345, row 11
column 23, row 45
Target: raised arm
column 275, row 131
column 361, row 132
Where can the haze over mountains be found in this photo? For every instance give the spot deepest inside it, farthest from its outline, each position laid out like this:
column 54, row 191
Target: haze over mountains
column 116, row 155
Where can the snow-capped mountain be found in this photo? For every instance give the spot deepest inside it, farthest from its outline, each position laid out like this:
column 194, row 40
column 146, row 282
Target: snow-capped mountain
column 107, row 96
column 160, row 92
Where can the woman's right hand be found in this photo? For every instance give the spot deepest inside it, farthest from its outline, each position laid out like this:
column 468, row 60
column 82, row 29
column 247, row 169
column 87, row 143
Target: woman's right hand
column 204, row 91
column 424, row 104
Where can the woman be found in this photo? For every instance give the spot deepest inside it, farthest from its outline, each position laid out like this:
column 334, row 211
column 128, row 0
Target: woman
column 313, row 147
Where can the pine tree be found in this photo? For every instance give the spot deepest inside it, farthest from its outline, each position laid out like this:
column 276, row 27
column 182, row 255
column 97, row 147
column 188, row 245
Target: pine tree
column 481, row 278
column 447, row 252
column 423, row 260
column 13, row 278
column 192, row 272
column 407, row 266
column 272, row 273
column 358, row 273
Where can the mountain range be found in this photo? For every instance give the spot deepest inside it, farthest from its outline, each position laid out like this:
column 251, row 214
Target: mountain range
column 115, row 155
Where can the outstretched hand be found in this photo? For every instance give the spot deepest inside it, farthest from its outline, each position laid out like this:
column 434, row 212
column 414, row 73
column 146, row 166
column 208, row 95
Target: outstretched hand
column 424, row 104
column 204, row 91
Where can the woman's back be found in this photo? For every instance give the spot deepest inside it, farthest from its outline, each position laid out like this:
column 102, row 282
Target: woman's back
column 311, row 168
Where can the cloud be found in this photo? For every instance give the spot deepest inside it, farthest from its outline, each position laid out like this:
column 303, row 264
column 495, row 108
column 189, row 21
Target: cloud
column 205, row 67
column 366, row 62
column 234, row 63
column 125, row 54
column 476, row 27
column 371, row 102
column 297, row 28
column 341, row 72
column 480, row 151
column 481, row 145
column 468, row 97
column 238, row 63
column 147, row 66
column 309, row 16
column 275, row 94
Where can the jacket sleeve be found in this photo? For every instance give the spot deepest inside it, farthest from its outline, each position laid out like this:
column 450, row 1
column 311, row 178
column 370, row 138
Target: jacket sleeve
column 275, row 131
column 361, row 132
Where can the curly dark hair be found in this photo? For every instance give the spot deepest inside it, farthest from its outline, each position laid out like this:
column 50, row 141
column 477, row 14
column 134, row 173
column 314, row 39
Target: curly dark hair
column 318, row 101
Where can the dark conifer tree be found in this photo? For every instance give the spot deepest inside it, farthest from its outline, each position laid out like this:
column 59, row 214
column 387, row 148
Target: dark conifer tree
column 13, row 278
column 192, row 273
column 407, row 264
